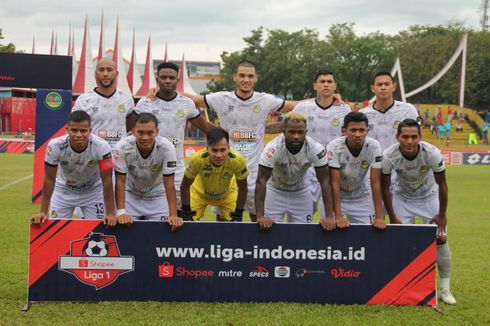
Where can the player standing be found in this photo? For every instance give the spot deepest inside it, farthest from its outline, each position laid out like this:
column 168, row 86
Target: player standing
column 243, row 114
column 356, row 193
column 209, row 180
column 420, row 189
column 85, row 178
column 145, row 164
column 107, row 107
column 385, row 113
column 173, row 111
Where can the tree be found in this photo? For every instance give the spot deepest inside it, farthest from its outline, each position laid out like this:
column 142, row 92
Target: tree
column 8, row 47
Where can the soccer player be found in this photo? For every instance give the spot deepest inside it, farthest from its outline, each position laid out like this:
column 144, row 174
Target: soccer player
column 209, row 180
column 385, row 113
column 85, row 178
column 285, row 161
column 350, row 157
column 145, row 164
column 325, row 119
column 108, row 107
column 420, row 189
column 173, row 111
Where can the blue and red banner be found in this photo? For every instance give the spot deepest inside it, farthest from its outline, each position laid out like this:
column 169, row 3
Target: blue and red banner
column 82, row 260
column 14, row 146
column 52, row 110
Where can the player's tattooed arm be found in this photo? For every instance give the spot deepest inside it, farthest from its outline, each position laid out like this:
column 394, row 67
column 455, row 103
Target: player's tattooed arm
column 379, row 219
column 263, row 175
column 274, row 127
column 387, row 198
column 48, row 188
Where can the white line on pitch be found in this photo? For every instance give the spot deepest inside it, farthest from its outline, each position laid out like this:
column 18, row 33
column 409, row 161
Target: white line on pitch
column 15, row 182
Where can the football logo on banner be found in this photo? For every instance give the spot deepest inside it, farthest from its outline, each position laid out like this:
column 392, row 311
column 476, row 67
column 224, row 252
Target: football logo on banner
column 96, row 260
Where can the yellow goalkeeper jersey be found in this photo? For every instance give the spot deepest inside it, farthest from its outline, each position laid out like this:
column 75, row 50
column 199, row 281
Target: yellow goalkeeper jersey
column 215, row 181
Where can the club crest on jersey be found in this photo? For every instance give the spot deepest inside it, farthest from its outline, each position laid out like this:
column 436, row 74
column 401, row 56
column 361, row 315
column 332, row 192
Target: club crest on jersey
column 54, row 214
column 227, row 175
column 180, row 113
column 121, row 108
column 91, row 163
column 364, row 164
column 257, row 109
column 155, row 167
column 335, row 122
column 424, row 169
column 395, row 124
column 96, row 260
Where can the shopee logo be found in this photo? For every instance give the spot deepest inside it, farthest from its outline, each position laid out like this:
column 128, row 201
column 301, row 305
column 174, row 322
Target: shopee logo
column 166, row 270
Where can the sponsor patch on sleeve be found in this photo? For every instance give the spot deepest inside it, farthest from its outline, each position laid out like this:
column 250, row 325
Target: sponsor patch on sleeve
column 378, row 158
column 321, row 154
column 441, row 163
column 172, row 164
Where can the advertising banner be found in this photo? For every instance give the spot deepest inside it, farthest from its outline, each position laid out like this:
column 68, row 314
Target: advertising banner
column 82, row 260
column 52, row 110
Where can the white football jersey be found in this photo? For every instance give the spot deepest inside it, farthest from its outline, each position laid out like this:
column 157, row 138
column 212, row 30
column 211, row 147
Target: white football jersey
column 172, row 118
column 78, row 172
column 353, row 169
column 245, row 120
column 414, row 178
column 144, row 176
column 324, row 124
column 383, row 125
column 108, row 114
column 288, row 170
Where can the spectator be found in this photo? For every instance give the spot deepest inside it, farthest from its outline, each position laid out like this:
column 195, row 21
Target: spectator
column 450, row 113
column 459, row 127
column 485, row 132
column 441, row 130
column 472, row 138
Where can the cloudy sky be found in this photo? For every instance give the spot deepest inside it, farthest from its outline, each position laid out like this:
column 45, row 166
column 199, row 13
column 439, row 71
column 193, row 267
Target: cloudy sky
column 204, row 29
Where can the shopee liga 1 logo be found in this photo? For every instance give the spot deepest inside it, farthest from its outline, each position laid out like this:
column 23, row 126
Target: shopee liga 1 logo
column 96, row 260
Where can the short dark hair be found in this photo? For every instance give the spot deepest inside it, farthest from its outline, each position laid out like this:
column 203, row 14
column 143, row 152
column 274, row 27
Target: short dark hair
column 408, row 123
column 169, row 65
column 324, row 72
column 145, row 118
column 355, row 117
column 246, row 63
column 215, row 135
column 383, row 73
column 79, row 116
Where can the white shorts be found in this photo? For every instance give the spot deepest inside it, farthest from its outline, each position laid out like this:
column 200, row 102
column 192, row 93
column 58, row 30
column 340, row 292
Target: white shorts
column 147, row 208
column 91, row 203
column 178, row 176
column 316, row 190
column 296, row 204
column 406, row 210
column 359, row 211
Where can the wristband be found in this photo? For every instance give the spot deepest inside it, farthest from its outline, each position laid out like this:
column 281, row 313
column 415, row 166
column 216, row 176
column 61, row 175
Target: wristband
column 120, row 212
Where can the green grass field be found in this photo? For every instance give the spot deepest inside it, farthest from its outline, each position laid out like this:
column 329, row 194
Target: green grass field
column 469, row 229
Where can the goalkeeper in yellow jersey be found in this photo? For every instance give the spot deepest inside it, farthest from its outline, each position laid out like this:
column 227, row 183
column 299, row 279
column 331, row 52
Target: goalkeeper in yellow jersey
column 212, row 177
